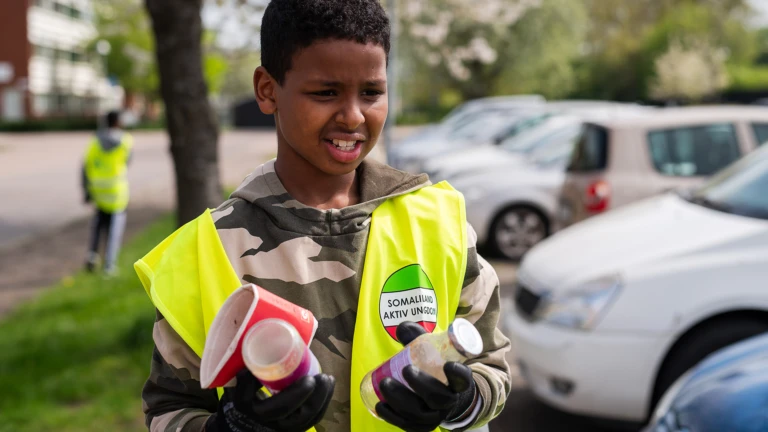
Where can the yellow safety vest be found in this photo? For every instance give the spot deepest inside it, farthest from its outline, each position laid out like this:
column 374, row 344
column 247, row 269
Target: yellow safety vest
column 107, row 174
column 416, row 241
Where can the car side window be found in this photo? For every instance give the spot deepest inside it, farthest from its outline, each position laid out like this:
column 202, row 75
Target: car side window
column 693, row 151
column 761, row 132
column 591, row 150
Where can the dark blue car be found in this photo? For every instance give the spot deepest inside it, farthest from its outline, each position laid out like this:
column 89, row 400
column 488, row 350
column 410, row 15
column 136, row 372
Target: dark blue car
column 727, row 392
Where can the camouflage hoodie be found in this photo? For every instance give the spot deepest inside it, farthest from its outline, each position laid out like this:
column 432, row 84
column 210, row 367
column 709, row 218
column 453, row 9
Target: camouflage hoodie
column 314, row 258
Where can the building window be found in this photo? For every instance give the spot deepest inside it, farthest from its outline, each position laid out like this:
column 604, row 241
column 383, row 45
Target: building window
column 44, row 52
column 61, row 8
column 42, row 104
column 74, row 56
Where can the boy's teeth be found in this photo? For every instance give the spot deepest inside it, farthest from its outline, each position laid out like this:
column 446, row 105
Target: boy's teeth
column 344, row 144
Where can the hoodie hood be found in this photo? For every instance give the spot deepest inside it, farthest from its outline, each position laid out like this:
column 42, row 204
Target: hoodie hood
column 110, row 138
column 377, row 182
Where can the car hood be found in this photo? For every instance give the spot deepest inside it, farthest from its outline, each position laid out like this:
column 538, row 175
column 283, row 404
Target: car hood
column 427, row 132
column 727, row 391
column 428, row 147
column 503, row 179
column 650, row 231
column 477, row 158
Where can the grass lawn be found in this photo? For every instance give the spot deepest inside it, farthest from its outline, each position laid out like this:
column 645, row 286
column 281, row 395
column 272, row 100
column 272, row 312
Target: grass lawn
column 75, row 359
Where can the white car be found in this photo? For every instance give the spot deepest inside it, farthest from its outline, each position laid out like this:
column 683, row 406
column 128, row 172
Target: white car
column 477, row 127
column 609, row 312
column 511, row 209
column 514, row 149
column 507, row 154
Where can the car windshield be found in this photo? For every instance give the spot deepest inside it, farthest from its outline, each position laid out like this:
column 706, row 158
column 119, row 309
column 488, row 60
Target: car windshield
column 558, row 150
column 482, row 127
column 740, row 189
column 546, row 133
column 524, row 124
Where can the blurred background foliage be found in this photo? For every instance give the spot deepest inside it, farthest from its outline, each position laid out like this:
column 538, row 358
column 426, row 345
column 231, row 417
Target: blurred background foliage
column 650, row 51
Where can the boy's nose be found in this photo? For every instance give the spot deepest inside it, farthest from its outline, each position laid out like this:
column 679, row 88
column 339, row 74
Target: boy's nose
column 350, row 115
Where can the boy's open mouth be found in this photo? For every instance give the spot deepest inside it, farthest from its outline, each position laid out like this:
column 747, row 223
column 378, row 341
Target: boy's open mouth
column 344, row 145
column 344, row 151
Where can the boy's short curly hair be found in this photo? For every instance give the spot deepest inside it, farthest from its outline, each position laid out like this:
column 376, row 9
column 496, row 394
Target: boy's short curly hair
column 291, row 25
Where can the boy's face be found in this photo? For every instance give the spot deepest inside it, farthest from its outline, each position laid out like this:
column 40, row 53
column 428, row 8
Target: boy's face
column 332, row 105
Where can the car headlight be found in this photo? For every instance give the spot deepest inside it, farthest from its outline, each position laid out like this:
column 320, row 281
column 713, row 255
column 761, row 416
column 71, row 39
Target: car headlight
column 580, row 308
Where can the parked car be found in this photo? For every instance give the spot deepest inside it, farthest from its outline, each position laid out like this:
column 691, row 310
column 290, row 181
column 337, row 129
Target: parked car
column 509, row 153
column 624, row 160
column 412, row 156
column 515, row 149
column 462, row 114
column 610, row 312
column 511, row 207
column 726, row 392
column 479, row 127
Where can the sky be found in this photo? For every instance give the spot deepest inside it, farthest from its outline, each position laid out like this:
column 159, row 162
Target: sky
column 761, row 9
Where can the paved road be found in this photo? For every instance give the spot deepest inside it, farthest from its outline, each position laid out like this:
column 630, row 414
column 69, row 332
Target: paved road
column 40, row 183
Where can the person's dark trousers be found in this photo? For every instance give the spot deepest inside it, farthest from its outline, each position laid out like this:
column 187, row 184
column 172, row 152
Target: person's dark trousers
column 107, row 228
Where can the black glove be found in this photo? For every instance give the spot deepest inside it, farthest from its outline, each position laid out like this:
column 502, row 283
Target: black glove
column 431, row 402
column 296, row 408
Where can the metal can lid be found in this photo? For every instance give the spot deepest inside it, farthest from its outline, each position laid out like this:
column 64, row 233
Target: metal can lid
column 465, row 337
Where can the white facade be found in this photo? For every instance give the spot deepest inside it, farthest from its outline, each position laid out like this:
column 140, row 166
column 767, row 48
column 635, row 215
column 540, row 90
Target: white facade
column 63, row 78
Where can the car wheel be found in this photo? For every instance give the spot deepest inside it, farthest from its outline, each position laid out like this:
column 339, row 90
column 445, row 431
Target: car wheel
column 694, row 346
column 516, row 230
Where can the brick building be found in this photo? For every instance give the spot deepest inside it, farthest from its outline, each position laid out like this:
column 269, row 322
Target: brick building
column 45, row 70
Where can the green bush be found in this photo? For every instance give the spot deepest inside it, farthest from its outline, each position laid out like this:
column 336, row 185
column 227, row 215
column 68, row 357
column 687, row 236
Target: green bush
column 748, row 77
column 63, row 124
column 69, row 124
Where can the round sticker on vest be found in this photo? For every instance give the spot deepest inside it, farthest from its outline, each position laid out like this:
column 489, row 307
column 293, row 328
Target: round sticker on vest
column 408, row 296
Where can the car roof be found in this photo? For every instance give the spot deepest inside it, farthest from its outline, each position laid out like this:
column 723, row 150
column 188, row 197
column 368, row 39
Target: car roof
column 533, row 98
column 672, row 117
column 588, row 103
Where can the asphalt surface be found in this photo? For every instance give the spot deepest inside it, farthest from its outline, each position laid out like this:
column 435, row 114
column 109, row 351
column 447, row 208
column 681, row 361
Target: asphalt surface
column 40, row 176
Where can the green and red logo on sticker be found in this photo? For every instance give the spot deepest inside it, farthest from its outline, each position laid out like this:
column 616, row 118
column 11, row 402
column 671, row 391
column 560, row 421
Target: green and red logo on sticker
column 408, row 295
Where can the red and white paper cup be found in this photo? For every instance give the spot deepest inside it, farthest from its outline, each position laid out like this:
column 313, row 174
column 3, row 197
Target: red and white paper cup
column 248, row 305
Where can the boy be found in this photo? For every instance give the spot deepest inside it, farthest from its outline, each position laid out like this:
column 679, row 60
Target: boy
column 105, row 183
column 344, row 237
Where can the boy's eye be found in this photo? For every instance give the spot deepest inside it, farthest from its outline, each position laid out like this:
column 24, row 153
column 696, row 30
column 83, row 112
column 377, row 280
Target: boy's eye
column 371, row 93
column 325, row 93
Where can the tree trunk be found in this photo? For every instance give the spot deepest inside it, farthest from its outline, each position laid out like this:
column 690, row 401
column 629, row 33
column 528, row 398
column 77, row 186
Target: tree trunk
column 191, row 122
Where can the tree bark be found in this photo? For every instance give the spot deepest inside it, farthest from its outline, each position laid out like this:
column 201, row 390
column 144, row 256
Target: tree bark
column 191, row 123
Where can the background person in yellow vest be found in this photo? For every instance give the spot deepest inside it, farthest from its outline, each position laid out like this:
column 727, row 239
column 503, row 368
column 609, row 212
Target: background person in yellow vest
column 105, row 184
column 299, row 227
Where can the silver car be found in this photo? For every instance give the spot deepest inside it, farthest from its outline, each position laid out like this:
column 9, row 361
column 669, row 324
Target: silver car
column 508, row 154
column 478, row 127
column 622, row 161
column 512, row 190
column 420, row 152
column 510, row 208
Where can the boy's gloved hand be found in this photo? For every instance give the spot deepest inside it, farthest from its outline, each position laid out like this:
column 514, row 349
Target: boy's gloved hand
column 431, row 402
column 297, row 408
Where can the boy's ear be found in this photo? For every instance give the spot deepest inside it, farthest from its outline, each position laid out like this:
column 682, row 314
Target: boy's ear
column 264, row 86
